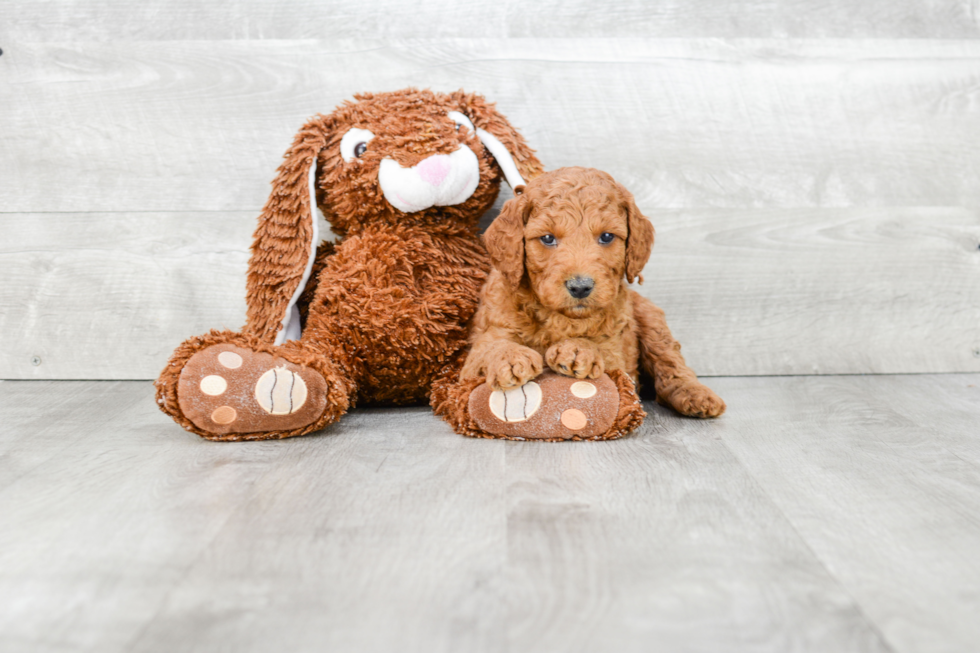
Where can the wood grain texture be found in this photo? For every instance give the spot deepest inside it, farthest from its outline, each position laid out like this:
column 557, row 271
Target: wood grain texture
column 662, row 542
column 819, row 513
column 881, row 476
column 192, row 126
column 35, row 416
column 746, row 292
column 143, row 537
column 329, row 568
column 662, row 537
column 65, row 20
column 109, row 296
column 826, row 291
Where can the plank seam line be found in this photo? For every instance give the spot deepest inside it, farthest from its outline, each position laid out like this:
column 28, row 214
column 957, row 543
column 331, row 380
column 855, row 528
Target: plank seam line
column 111, row 416
column 205, row 548
column 836, row 581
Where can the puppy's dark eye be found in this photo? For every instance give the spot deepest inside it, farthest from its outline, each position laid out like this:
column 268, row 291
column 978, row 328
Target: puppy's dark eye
column 606, row 238
column 360, row 149
column 548, row 240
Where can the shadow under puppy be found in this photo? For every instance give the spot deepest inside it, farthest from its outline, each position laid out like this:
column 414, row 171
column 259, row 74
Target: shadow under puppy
column 557, row 299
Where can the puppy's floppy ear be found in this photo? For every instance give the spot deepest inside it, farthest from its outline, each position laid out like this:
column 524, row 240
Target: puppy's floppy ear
column 285, row 241
column 504, row 142
column 504, row 239
column 639, row 243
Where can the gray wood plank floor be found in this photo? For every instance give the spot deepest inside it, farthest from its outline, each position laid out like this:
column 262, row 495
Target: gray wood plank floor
column 819, row 514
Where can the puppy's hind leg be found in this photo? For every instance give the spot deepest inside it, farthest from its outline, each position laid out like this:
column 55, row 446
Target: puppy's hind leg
column 660, row 356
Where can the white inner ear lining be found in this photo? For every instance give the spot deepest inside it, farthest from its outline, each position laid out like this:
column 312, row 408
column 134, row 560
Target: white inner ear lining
column 503, row 157
column 290, row 321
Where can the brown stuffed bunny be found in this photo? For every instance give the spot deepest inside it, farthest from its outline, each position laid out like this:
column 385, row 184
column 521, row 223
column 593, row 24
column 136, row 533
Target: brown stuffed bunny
column 403, row 179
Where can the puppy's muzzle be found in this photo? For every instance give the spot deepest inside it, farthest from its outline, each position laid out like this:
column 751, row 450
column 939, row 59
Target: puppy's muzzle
column 580, row 287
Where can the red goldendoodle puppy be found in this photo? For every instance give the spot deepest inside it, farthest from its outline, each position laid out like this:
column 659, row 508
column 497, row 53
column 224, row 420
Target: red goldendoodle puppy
column 562, row 253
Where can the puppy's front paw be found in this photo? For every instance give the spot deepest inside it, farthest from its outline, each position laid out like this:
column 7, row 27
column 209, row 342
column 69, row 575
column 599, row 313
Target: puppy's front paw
column 576, row 357
column 697, row 400
column 516, row 366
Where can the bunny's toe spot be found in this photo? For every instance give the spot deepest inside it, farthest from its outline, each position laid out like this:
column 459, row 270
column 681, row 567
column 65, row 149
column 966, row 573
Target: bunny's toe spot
column 230, row 359
column 583, row 389
column 224, row 415
column 574, row 419
column 213, row 385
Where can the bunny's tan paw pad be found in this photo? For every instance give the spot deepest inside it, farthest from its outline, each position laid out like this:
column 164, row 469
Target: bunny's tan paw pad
column 228, row 389
column 551, row 407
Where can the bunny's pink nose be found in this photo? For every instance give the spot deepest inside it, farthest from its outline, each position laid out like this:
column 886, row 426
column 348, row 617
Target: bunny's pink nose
column 434, row 169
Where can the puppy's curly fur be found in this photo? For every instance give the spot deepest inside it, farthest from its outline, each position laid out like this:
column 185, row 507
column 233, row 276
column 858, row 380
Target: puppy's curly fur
column 571, row 229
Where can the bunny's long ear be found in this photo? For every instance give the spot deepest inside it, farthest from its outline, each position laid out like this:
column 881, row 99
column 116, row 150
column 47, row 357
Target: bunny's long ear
column 285, row 242
column 516, row 160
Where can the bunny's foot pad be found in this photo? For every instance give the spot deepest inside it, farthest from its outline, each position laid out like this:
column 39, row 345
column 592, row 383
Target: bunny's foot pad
column 551, row 407
column 228, row 389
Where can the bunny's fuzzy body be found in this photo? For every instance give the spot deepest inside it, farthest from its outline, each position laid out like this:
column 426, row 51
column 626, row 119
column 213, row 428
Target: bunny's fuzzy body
column 381, row 315
column 395, row 309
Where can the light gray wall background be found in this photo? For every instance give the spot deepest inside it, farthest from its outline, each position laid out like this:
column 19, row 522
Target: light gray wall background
column 812, row 168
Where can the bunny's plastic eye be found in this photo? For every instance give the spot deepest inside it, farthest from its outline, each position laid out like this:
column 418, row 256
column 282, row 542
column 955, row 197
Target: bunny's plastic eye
column 606, row 238
column 548, row 240
column 354, row 143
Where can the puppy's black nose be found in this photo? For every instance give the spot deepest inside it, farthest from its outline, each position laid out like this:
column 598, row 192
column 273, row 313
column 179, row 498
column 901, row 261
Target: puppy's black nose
column 580, row 287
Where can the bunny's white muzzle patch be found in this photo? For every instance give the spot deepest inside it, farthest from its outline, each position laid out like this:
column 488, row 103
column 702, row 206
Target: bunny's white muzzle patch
column 439, row 180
